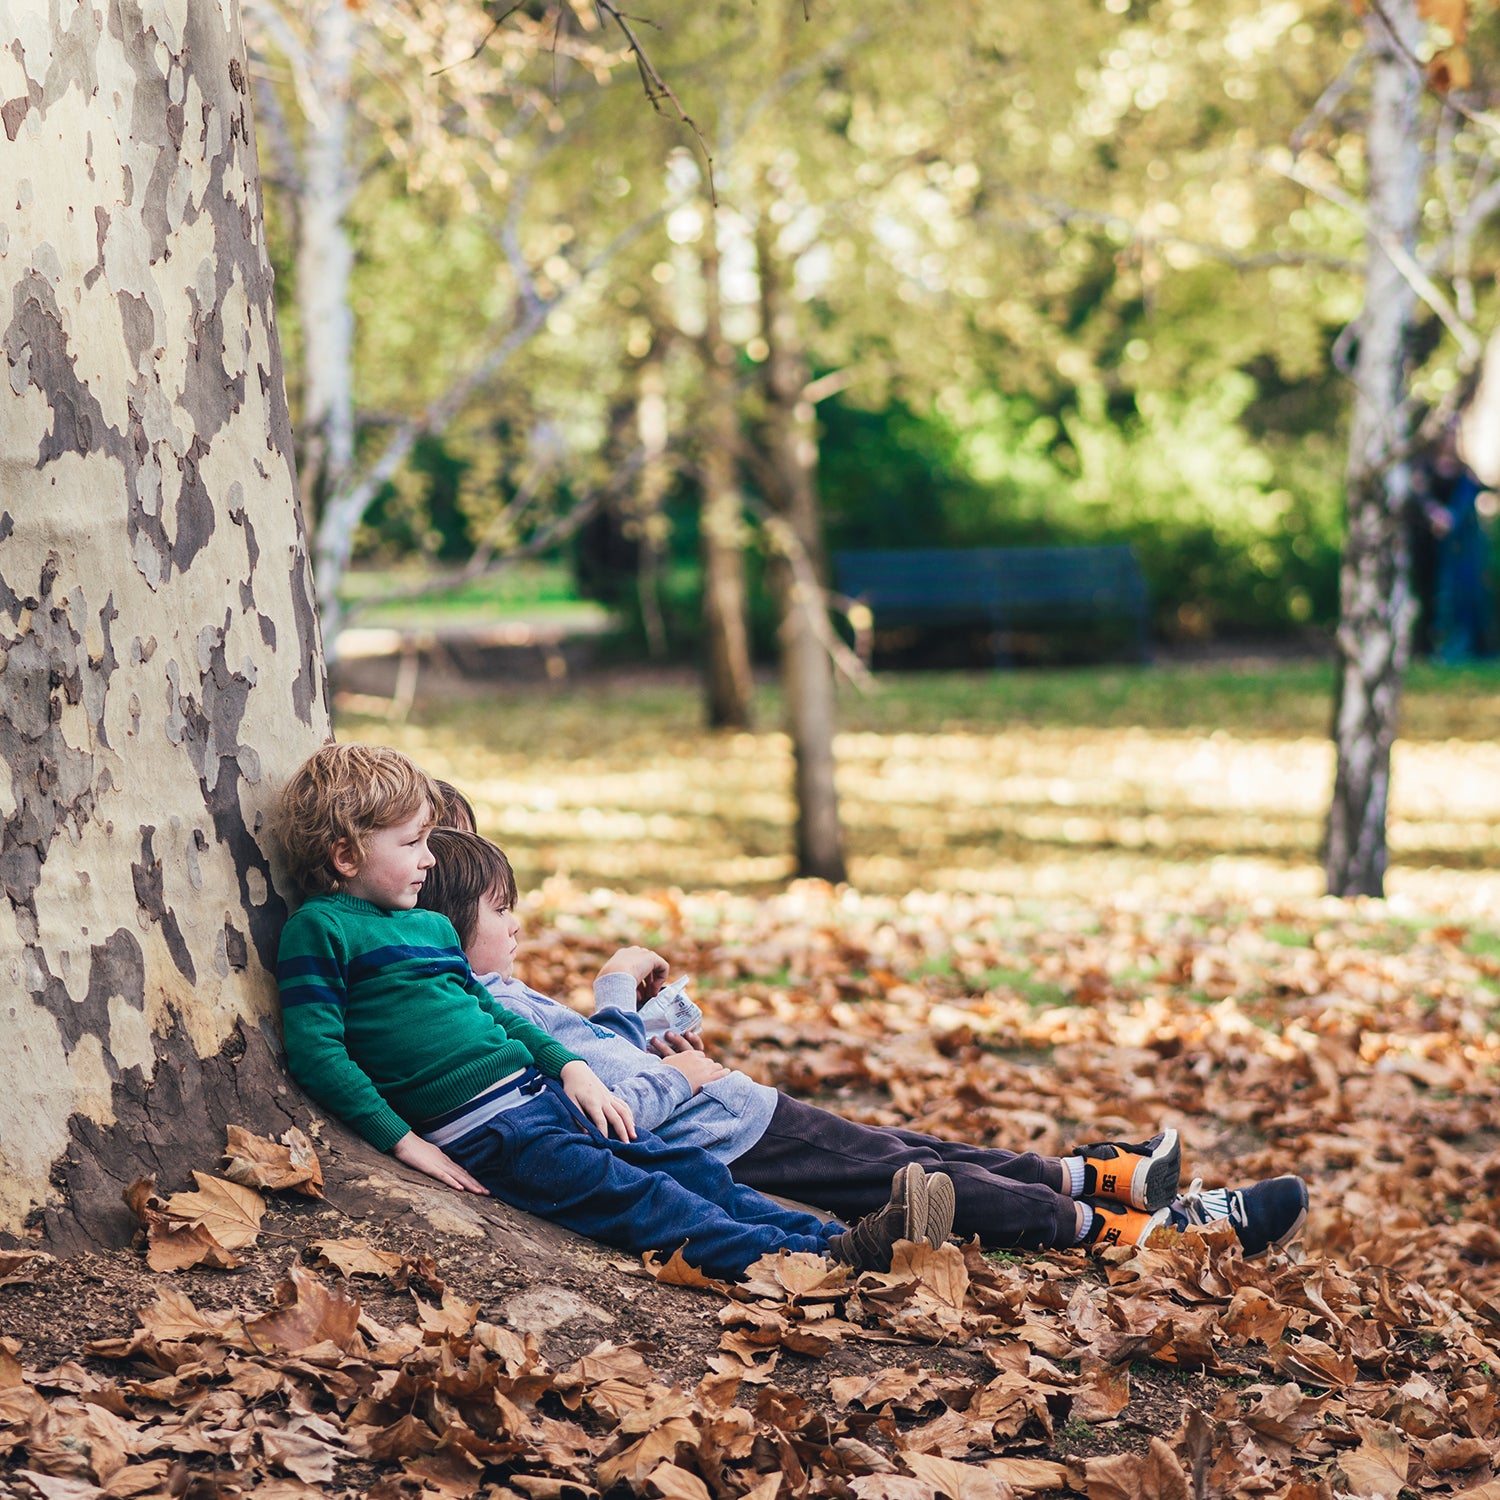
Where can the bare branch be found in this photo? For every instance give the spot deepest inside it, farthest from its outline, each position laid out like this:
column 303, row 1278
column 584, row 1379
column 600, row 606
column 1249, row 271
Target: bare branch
column 1330, row 99
column 656, row 87
column 342, row 512
column 488, row 37
column 810, row 594
column 1484, row 121
column 1399, row 256
column 1066, row 215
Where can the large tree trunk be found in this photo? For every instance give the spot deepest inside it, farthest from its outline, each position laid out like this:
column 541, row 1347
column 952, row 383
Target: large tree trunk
column 729, row 688
column 796, row 570
column 160, row 670
column 1375, row 603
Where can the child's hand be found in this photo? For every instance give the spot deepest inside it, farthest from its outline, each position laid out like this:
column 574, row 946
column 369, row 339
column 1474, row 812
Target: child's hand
column 435, row 1162
column 648, row 969
column 696, row 1068
column 670, row 1043
column 610, row 1114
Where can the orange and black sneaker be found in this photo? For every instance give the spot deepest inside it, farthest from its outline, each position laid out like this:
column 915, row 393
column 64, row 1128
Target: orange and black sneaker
column 1141, row 1176
column 1115, row 1224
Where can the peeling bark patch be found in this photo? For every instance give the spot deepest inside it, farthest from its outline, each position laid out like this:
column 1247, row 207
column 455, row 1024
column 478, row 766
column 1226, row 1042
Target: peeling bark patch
column 162, row 1125
column 12, row 112
column 150, row 896
column 35, row 344
column 195, row 509
column 236, row 950
column 45, row 666
column 139, row 325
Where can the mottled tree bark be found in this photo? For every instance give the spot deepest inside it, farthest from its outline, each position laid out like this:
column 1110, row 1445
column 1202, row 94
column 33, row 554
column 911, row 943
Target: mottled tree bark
column 729, row 688
column 160, row 670
column 796, row 573
column 1375, row 602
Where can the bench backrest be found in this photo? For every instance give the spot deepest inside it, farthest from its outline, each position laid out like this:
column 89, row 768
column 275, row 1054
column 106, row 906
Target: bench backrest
column 999, row 583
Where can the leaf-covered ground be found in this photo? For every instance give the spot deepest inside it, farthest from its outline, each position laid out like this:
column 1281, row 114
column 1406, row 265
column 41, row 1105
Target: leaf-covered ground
column 1086, row 907
column 1350, row 1042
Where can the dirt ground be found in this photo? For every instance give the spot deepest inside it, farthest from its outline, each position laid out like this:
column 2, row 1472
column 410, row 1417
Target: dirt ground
column 570, row 1295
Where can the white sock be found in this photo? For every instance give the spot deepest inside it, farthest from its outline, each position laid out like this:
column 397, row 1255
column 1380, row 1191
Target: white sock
column 1073, row 1175
column 1087, row 1224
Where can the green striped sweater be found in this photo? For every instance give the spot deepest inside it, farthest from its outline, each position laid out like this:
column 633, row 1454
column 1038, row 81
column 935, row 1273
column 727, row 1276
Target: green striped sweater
column 385, row 1025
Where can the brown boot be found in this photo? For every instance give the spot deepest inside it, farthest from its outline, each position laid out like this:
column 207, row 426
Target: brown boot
column 920, row 1208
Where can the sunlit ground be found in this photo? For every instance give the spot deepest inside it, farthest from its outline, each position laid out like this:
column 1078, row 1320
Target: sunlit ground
column 1056, row 930
column 620, row 786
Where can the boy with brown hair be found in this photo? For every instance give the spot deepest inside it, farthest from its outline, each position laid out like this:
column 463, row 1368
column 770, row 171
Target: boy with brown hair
column 386, row 1026
column 1100, row 1195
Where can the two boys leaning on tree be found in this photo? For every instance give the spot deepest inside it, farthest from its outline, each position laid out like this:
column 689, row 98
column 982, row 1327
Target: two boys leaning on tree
column 387, row 1028
column 1096, row 1196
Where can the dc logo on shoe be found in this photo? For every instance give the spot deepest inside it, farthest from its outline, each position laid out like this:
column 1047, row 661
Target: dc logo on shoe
column 1111, row 1236
column 1109, row 1182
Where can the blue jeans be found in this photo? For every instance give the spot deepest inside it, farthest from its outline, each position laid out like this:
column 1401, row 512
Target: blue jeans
column 547, row 1159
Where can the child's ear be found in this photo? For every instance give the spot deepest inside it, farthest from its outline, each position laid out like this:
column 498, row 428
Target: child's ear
column 343, row 858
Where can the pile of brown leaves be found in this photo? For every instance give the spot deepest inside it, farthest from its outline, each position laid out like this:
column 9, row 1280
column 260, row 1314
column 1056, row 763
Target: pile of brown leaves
column 1346, row 1041
column 1326, row 1374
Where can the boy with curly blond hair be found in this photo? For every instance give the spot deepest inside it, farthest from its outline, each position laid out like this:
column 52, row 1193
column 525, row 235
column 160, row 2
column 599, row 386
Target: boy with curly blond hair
column 387, row 1027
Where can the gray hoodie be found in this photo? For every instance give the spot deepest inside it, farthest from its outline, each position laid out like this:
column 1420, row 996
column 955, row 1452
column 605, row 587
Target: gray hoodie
column 725, row 1117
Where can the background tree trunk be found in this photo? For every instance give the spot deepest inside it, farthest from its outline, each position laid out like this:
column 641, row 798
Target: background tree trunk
column 325, row 257
column 159, row 652
column 796, row 571
column 651, row 529
column 1375, row 602
column 729, row 688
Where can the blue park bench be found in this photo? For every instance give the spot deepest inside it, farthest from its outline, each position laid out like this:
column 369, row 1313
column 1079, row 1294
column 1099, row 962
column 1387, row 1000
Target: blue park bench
column 1007, row 590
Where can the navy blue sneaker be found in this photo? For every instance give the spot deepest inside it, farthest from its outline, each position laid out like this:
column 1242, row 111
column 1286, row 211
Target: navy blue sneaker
column 1266, row 1215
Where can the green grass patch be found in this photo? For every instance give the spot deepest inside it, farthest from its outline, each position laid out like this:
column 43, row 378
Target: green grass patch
column 1036, row 992
column 1287, row 937
column 531, row 590
column 1255, row 699
column 1483, row 944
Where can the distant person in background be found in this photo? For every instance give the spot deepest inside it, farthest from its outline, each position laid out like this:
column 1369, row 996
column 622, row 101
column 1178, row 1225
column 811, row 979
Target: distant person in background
column 1450, row 559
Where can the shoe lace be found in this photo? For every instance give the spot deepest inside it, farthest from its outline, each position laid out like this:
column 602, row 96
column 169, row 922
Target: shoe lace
column 1191, row 1205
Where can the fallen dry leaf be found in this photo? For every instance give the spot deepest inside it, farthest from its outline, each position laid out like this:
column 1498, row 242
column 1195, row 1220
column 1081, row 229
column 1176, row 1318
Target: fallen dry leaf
column 356, row 1257
column 310, row 1312
column 288, row 1166
column 227, row 1211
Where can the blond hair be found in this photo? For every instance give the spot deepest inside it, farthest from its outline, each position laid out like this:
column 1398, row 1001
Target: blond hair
column 341, row 793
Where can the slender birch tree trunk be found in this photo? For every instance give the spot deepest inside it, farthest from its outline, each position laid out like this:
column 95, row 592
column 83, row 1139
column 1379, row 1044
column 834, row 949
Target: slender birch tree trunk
column 160, row 671
column 325, row 256
column 806, row 670
column 1375, row 604
column 650, row 525
column 729, row 688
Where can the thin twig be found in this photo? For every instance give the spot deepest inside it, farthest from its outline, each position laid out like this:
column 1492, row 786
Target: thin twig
column 489, row 36
column 1329, row 99
column 655, row 86
column 1398, row 255
column 1484, row 121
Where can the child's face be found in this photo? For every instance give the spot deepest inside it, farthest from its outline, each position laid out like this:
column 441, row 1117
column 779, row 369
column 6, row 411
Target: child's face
column 491, row 948
column 396, row 862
